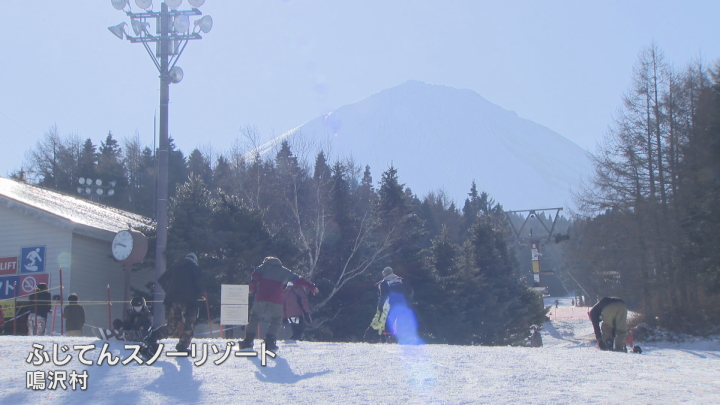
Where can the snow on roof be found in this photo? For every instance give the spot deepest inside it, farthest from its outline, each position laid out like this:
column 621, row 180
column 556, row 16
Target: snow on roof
column 76, row 210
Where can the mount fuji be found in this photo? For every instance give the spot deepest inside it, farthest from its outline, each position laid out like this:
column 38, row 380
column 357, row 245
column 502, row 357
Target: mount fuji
column 442, row 138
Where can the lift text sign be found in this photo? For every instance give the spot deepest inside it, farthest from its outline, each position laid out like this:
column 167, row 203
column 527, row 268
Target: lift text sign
column 8, row 265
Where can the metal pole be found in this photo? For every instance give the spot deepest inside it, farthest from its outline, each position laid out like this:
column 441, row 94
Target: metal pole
column 52, row 324
column 126, row 293
column 207, row 307
column 162, row 199
column 16, row 309
column 108, row 302
column 62, row 323
column 34, row 295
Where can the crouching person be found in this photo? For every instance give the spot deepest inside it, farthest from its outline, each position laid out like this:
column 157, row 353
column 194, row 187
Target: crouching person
column 613, row 330
column 137, row 319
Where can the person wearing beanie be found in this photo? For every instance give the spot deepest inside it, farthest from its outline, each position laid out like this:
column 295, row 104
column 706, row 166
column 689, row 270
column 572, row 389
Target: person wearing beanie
column 138, row 318
column 267, row 284
column 394, row 312
column 184, row 286
column 40, row 305
column 75, row 315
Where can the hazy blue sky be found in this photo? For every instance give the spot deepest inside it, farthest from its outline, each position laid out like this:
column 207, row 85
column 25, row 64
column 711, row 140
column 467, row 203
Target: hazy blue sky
column 276, row 64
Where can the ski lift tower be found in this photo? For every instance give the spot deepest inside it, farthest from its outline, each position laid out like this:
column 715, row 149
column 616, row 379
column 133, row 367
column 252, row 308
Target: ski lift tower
column 534, row 240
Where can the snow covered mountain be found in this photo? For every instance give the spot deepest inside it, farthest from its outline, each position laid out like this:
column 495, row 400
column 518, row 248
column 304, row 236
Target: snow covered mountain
column 439, row 137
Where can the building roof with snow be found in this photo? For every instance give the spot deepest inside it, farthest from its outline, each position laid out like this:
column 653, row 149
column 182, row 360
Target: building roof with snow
column 75, row 214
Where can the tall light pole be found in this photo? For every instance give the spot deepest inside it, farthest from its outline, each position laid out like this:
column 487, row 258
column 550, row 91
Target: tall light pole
column 172, row 33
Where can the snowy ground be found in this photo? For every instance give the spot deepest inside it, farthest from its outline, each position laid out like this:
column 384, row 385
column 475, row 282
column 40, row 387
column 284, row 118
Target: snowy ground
column 565, row 371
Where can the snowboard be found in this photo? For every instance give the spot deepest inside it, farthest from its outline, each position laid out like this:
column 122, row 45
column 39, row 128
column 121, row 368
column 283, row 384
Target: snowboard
column 125, row 336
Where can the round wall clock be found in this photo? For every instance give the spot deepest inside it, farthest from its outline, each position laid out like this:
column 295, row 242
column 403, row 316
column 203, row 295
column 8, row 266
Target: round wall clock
column 129, row 246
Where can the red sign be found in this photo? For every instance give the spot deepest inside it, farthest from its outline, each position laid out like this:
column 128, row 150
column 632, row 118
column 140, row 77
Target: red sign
column 25, row 285
column 8, row 266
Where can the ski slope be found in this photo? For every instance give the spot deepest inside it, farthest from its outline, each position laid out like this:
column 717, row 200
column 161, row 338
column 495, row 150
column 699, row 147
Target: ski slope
column 567, row 370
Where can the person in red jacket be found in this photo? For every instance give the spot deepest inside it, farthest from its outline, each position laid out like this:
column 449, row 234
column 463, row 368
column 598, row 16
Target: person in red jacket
column 268, row 281
column 296, row 309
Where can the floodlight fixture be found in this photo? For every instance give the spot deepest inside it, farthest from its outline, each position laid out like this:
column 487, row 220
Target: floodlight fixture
column 98, row 182
column 118, row 30
column 144, row 4
column 173, row 3
column 205, row 24
column 139, row 26
column 88, row 181
column 196, row 3
column 80, row 190
column 111, row 192
column 99, row 191
column 119, row 4
column 113, row 183
column 88, row 190
column 182, row 23
column 176, row 74
column 81, row 180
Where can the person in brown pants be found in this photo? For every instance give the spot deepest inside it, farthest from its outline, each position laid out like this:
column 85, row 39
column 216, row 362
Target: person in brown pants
column 613, row 314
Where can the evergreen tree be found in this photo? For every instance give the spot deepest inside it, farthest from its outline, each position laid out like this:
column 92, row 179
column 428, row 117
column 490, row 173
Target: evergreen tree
column 443, row 307
column 701, row 219
column 322, row 171
column 87, row 163
column 145, row 199
column 223, row 176
column 391, row 205
column 501, row 308
column 366, row 195
column 199, row 165
column 133, row 162
column 190, row 213
column 110, row 168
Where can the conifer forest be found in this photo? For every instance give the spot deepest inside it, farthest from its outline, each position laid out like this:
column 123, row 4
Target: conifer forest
column 645, row 227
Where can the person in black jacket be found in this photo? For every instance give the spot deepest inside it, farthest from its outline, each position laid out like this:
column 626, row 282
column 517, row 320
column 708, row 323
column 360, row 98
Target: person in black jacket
column 613, row 330
column 138, row 318
column 39, row 308
column 184, row 286
column 75, row 315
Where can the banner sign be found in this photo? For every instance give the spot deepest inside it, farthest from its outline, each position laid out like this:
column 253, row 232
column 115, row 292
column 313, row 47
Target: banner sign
column 8, row 308
column 32, row 260
column 234, row 304
column 8, row 266
column 535, row 251
column 25, row 283
column 234, row 294
column 233, row 314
